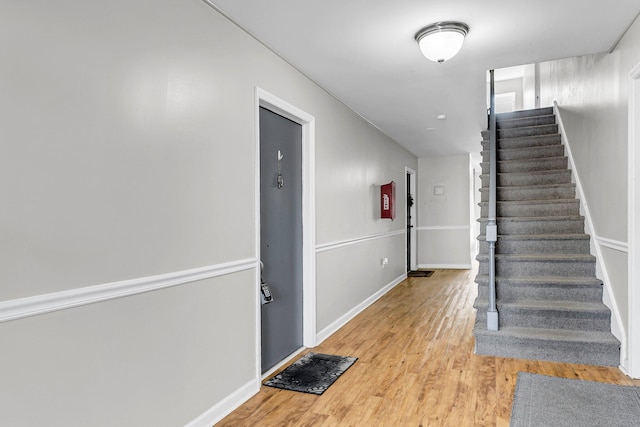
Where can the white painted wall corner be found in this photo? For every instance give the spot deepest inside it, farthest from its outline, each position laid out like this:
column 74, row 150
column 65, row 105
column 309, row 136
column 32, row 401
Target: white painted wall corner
column 226, row 406
column 343, row 320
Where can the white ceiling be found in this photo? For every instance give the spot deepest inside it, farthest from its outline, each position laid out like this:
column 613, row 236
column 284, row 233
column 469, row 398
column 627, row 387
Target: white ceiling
column 364, row 53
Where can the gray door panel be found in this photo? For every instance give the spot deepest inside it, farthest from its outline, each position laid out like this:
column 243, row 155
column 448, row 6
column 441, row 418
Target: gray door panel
column 281, row 235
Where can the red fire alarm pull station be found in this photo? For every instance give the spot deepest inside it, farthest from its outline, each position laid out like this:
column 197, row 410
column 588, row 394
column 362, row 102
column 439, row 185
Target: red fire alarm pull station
column 388, row 200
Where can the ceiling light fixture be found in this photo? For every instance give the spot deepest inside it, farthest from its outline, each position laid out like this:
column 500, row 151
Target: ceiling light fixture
column 442, row 40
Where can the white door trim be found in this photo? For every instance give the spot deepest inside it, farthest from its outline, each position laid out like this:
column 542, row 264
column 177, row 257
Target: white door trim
column 413, row 262
column 633, row 325
column 307, row 121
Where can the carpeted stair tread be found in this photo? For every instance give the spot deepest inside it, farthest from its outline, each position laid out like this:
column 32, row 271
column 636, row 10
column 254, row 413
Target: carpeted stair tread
column 531, row 202
column 519, row 153
column 567, row 236
column 545, row 335
column 542, row 280
column 537, row 225
column 524, row 131
column 544, row 111
column 542, row 288
column 543, row 306
column 542, row 192
column 533, row 160
column 558, row 345
column 550, row 176
column 535, row 218
column 545, row 119
column 533, row 207
column 547, row 258
column 556, row 264
column 531, row 186
column 571, row 315
column 532, row 192
column 542, row 257
column 527, row 165
column 524, row 141
column 530, row 173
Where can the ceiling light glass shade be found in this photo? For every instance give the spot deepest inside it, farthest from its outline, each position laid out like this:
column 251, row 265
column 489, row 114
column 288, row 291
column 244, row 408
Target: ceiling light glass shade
column 442, row 40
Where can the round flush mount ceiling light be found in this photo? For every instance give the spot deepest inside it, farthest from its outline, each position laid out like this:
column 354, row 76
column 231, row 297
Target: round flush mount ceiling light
column 442, row 40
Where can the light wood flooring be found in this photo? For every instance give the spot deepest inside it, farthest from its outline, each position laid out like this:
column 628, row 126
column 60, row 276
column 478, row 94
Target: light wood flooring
column 416, row 367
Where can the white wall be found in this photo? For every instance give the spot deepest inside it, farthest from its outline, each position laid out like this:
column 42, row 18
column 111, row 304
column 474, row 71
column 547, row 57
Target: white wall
column 128, row 152
column 592, row 94
column 519, row 80
column 511, row 86
column 444, row 223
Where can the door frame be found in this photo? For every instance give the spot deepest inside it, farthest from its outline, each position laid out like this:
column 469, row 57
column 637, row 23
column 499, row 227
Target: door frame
column 633, row 238
column 413, row 262
column 307, row 122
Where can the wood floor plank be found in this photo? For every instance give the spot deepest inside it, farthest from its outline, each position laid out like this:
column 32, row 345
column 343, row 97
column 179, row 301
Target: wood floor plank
column 416, row 367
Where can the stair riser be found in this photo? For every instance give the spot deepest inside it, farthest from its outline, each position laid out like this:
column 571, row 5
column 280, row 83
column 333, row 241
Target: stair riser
column 526, row 153
column 533, row 209
column 530, row 178
column 564, row 226
column 559, row 351
column 527, row 141
column 541, row 268
column 523, row 132
column 545, row 111
column 567, row 191
column 568, row 246
column 551, row 319
column 527, row 131
column 551, row 163
column 550, row 292
column 526, row 121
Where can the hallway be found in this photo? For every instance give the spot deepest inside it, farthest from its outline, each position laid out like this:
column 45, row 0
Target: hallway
column 416, row 367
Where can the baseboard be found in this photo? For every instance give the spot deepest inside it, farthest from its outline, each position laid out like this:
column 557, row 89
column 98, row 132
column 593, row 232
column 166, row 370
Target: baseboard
column 226, row 406
column 446, row 266
column 340, row 322
column 283, row 362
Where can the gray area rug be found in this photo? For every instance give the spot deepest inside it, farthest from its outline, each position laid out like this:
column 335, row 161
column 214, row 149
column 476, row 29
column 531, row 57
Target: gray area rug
column 540, row 400
column 312, row 373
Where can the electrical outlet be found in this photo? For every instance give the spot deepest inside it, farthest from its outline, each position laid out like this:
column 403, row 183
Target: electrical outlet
column 384, row 262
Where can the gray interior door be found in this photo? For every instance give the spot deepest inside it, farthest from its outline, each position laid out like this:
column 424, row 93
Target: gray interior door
column 281, row 235
column 409, row 199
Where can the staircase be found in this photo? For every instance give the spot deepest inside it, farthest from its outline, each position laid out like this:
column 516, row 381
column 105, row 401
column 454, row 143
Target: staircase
column 549, row 300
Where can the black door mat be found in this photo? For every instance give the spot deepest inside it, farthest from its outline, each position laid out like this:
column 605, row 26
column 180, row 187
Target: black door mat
column 313, row 373
column 419, row 273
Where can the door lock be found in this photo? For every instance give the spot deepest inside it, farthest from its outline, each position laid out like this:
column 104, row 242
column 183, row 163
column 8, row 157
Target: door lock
column 267, row 296
column 265, row 292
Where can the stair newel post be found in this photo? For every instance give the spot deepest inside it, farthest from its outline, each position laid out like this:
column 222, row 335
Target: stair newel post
column 492, row 226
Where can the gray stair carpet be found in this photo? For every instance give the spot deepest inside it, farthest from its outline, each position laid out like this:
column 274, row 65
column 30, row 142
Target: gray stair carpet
column 549, row 299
